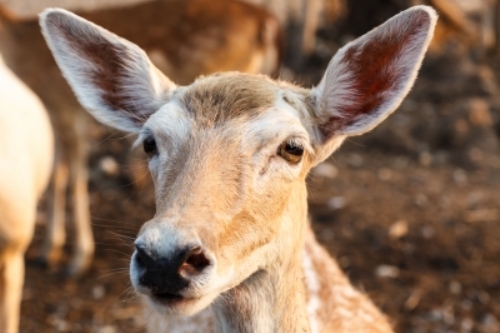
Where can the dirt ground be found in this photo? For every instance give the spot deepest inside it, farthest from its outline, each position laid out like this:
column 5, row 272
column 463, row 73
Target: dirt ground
column 411, row 211
column 438, row 272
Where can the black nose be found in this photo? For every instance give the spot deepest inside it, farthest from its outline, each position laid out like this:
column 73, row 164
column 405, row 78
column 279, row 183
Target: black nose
column 170, row 275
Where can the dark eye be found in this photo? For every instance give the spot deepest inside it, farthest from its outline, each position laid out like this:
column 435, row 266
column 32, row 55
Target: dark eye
column 292, row 152
column 149, row 145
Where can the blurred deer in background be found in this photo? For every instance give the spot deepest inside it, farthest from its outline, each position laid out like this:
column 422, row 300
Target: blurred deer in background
column 26, row 158
column 229, row 155
column 472, row 22
column 303, row 18
column 187, row 38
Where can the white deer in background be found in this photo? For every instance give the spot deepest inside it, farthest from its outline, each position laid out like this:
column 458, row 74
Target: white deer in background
column 26, row 158
column 229, row 155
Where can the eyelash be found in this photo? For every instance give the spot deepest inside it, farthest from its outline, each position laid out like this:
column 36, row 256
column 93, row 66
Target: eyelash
column 149, row 146
column 291, row 151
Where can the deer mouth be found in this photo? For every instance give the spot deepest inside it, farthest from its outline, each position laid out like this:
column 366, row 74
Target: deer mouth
column 179, row 305
column 173, row 301
column 166, row 298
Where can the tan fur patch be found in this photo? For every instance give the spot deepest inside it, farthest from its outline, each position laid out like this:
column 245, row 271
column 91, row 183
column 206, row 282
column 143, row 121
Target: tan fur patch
column 218, row 98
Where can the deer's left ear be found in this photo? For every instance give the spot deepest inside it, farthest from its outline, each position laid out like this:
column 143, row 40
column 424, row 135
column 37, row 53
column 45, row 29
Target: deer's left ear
column 111, row 77
column 368, row 78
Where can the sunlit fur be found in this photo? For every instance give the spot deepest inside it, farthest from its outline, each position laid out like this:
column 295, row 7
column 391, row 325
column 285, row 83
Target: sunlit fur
column 222, row 184
column 26, row 157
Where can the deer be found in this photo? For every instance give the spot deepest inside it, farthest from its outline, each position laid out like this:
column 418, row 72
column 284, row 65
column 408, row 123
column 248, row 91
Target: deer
column 26, row 158
column 185, row 38
column 302, row 18
column 472, row 23
column 230, row 243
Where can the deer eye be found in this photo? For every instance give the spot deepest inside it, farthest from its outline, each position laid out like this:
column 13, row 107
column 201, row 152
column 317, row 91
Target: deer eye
column 149, row 145
column 291, row 151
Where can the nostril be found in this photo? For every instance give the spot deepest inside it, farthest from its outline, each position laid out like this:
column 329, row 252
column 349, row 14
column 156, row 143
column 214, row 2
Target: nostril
column 143, row 258
column 196, row 261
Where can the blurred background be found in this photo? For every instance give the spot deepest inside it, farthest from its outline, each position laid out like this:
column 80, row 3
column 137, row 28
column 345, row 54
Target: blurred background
column 411, row 210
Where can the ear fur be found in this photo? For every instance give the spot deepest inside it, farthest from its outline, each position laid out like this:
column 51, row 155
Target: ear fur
column 111, row 77
column 369, row 77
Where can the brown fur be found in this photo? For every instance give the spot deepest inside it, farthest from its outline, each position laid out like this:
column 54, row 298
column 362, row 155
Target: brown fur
column 219, row 98
column 337, row 292
column 197, row 39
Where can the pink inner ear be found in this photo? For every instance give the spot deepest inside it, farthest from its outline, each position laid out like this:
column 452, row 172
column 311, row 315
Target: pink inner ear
column 378, row 69
column 110, row 72
column 110, row 76
column 110, row 63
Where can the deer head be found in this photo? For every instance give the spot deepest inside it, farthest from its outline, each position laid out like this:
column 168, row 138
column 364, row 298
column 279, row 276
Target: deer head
column 229, row 153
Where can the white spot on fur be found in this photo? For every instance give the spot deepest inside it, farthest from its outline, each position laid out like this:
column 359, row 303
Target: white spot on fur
column 161, row 239
column 200, row 322
column 312, row 284
column 171, row 121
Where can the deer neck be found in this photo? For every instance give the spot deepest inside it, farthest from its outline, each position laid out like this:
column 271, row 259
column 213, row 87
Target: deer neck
column 272, row 299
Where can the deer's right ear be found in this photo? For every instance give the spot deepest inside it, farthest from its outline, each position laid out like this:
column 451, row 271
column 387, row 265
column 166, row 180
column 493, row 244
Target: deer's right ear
column 369, row 77
column 111, row 77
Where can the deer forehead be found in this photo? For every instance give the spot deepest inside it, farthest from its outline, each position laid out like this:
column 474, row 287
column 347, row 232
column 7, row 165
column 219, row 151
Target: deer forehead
column 252, row 110
column 216, row 99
